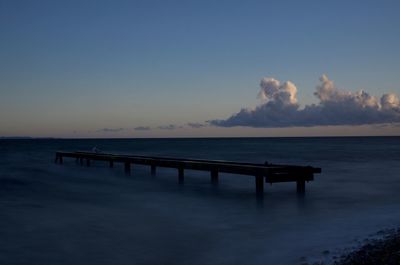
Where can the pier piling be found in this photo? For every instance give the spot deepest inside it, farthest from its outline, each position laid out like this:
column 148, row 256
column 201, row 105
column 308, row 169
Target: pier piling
column 181, row 175
column 127, row 168
column 214, row 177
column 301, row 186
column 259, row 185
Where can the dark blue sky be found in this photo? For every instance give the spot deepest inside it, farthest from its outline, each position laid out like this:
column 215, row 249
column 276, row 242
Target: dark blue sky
column 74, row 67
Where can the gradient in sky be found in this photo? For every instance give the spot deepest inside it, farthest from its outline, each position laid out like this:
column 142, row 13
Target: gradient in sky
column 149, row 68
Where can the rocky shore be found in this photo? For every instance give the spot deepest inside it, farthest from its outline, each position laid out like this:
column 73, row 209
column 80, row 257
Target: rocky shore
column 383, row 251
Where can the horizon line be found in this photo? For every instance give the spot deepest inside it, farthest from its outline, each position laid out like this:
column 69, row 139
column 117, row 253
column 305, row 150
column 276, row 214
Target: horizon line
column 187, row 137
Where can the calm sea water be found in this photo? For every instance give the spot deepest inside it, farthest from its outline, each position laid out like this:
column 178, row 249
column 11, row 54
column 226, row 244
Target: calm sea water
column 67, row 214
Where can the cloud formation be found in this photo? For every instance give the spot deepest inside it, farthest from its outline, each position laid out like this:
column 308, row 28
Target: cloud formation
column 111, row 130
column 142, row 128
column 335, row 107
column 168, row 127
column 196, row 125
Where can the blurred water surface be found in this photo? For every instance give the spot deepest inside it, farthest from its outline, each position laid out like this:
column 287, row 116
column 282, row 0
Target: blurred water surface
column 67, row 214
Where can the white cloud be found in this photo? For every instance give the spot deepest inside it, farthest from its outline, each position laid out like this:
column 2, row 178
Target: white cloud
column 335, row 107
column 273, row 90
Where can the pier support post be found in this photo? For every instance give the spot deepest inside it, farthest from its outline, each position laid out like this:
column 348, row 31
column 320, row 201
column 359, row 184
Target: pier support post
column 111, row 164
column 259, row 186
column 153, row 170
column 181, row 175
column 58, row 159
column 81, row 161
column 88, row 162
column 214, row 177
column 301, row 186
column 127, row 168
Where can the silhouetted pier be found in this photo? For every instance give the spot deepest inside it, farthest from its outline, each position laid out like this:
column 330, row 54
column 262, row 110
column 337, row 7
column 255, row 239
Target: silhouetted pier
column 270, row 173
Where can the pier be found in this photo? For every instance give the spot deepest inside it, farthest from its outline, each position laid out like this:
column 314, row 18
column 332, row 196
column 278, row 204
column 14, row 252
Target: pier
column 262, row 173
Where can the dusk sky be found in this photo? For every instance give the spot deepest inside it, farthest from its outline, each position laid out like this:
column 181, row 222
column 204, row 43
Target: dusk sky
column 188, row 68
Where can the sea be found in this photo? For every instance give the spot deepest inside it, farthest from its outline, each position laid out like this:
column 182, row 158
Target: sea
column 69, row 214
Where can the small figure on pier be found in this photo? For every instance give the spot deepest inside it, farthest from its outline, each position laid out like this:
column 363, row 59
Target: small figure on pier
column 96, row 150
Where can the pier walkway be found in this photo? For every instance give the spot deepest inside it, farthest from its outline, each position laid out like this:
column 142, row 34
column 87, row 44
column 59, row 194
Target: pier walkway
column 269, row 173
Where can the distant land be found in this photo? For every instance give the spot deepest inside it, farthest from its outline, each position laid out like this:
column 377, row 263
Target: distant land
column 22, row 137
column 210, row 137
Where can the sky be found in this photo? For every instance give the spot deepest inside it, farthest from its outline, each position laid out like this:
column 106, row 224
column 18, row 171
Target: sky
column 199, row 68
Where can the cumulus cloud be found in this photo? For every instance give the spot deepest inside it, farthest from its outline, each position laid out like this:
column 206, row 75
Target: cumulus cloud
column 273, row 90
column 142, row 128
column 335, row 107
column 196, row 125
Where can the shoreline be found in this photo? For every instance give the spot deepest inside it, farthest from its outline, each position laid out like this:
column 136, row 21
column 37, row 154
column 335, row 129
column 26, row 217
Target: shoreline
column 383, row 248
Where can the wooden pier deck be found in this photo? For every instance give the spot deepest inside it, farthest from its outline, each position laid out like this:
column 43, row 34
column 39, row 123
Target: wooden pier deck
column 269, row 173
